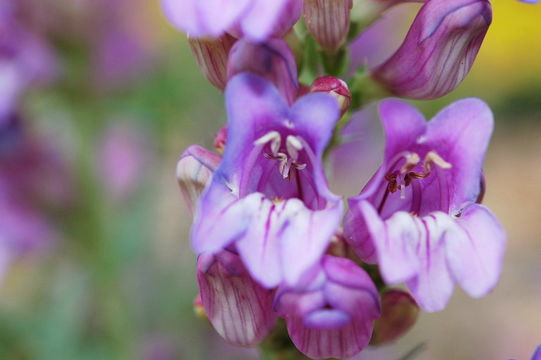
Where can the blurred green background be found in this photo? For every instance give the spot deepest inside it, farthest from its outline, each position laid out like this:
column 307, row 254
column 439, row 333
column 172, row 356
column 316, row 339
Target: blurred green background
column 119, row 282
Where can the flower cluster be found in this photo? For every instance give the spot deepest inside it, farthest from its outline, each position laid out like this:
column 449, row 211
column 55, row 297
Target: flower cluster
column 272, row 240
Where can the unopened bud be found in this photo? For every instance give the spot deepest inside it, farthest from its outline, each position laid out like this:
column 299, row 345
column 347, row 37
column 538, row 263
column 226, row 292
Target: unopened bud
column 211, row 56
column 328, row 21
column 220, row 140
column 272, row 60
column 335, row 87
column 399, row 313
column 439, row 49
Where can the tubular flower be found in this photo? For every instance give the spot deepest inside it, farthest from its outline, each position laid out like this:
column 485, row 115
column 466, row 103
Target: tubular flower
column 255, row 19
column 272, row 60
column 238, row 307
column 269, row 196
column 418, row 217
column 439, row 49
column 334, row 316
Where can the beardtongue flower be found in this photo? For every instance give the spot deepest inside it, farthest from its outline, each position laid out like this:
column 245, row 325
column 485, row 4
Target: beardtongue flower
column 328, row 21
column 211, row 56
column 255, row 19
column 272, row 60
column 238, row 307
column 439, row 49
column 269, row 196
column 335, row 315
column 418, row 217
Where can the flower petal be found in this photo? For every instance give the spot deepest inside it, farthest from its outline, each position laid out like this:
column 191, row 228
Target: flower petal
column 239, row 309
column 433, row 285
column 194, row 170
column 460, row 134
column 282, row 242
column 475, row 253
column 315, row 116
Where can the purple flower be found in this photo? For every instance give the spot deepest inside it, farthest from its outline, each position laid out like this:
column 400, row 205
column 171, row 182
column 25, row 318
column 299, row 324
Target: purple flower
column 269, row 196
column 334, row 316
column 439, row 50
column 122, row 157
column 238, row 307
column 255, row 19
column 530, row 2
column 24, row 59
column 418, row 217
column 272, row 60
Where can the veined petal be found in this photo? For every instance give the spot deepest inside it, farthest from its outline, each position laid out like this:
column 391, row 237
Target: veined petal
column 475, row 253
column 194, row 170
column 396, row 242
column 336, row 318
column 460, row 134
column 221, row 217
column 283, row 243
column 239, row 309
column 433, row 285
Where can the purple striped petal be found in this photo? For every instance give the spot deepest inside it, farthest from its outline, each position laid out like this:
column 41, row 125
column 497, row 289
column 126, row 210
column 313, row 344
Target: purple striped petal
column 439, row 49
column 239, row 309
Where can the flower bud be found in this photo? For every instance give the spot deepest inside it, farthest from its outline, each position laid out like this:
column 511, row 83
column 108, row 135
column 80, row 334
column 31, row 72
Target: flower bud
column 439, row 49
column 211, row 56
column 399, row 314
column 220, row 140
column 239, row 308
column 272, row 60
column 335, row 87
column 194, row 170
column 328, row 21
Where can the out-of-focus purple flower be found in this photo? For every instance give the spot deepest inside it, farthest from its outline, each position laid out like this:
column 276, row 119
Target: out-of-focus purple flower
column 335, row 87
column 530, row 1
column 328, row 21
column 333, row 316
column 24, row 60
column 211, row 55
column 270, row 189
column 418, row 217
column 238, row 307
column 438, row 51
column 272, row 60
column 194, row 171
column 23, row 173
column 255, row 19
column 122, row 158
column 399, row 312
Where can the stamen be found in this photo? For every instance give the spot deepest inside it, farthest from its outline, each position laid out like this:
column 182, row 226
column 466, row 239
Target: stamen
column 433, row 157
column 293, row 145
column 412, row 159
column 272, row 136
